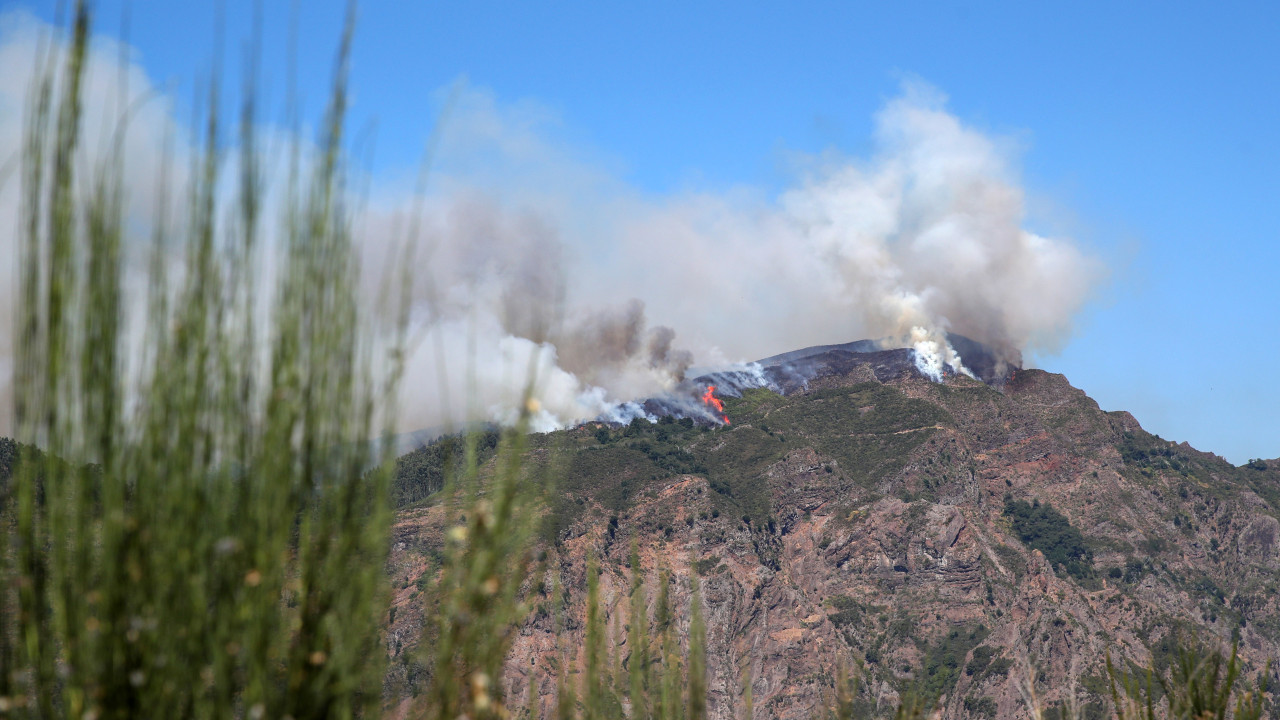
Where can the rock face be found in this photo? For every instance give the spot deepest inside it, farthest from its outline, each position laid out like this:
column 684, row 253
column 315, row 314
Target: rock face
column 861, row 521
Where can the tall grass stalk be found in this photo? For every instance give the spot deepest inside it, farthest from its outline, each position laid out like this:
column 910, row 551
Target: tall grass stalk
column 697, row 679
column 595, row 677
column 640, row 685
column 846, row 691
column 1202, row 684
column 669, row 707
column 484, row 599
column 202, row 540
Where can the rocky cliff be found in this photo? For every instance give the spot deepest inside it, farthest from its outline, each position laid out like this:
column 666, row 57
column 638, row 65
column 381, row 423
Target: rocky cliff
column 973, row 542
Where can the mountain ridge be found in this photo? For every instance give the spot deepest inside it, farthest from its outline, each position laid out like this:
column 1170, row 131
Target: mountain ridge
column 888, row 521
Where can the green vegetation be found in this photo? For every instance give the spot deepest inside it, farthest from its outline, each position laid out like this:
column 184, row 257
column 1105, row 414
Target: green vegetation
column 848, row 611
column 982, row 656
column 1092, row 710
column 984, row 706
column 482, row 598
column 1000, row 666
column 1149, row 451
column 9, row 451
column 944, row 659
column 869, row 428
column 610, row 467
column 428, row 470
column 736, row 466
column 1042, row 528
column 1200, row 683
column 1012, row 560
column 707, row 566
column 985, row 662
column 213, row 543
column 1148, row 454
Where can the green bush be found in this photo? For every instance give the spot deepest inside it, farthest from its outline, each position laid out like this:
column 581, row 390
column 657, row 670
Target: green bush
column 982, row 656
column 943, row 660
column 706, row 566
column 1000, row 666
column 848, row 611
column 1042, row 528
column 984, row 706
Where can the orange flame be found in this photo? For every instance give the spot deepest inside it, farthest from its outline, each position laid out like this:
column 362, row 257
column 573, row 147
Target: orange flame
column 709, row 399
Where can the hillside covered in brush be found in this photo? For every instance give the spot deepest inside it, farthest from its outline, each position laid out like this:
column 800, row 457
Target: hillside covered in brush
column 964, row 541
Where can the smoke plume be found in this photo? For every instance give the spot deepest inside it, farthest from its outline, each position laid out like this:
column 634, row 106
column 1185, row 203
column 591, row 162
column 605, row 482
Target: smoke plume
column 537, row 263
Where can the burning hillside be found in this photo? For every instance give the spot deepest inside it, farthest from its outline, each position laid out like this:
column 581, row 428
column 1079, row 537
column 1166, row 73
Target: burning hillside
column 949, row 540
column 710, row 400
column 699, row 398
column 613, row 297
column 604, row 296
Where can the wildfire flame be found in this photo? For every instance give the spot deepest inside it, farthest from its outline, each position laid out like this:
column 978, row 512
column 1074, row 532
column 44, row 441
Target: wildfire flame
column 709, row 399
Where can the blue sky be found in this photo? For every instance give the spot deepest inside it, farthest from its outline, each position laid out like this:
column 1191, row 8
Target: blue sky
column 1146, row 132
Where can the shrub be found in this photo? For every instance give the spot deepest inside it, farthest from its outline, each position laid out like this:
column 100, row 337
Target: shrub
column 1045, row 529
column 982, row 656
column 943, row 660
column 848, row 611
column 981, row 707
column 1000, row 666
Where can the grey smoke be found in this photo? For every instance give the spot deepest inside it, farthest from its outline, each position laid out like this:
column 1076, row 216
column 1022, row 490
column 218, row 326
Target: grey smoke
column 535, row 256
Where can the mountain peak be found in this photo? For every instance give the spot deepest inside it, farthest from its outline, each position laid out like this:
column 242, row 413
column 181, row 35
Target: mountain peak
column 937, row 534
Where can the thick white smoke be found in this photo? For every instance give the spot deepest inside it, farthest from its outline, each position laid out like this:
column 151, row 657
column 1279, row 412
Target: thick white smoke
column 928, row 237
column 924, row 237
column 109, row 91
column 490, row 299
column 537, row 260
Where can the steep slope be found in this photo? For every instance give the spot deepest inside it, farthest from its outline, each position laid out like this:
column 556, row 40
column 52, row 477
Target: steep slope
column 955, row 539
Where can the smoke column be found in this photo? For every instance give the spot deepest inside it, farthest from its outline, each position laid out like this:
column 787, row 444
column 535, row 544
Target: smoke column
column 536, row 257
